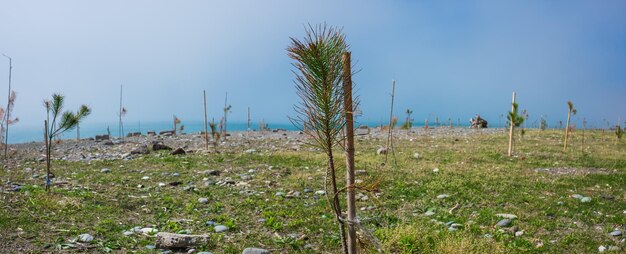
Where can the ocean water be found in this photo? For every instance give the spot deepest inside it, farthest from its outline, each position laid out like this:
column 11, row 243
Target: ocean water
column 19, row 134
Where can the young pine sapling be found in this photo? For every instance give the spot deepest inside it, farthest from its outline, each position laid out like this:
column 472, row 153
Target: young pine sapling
column 5, row 121
column 318, row 81
column 60, row 122
column 514, row 119
column 570, row 110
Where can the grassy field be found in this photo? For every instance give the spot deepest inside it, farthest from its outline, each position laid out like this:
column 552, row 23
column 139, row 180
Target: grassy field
column 402, row 208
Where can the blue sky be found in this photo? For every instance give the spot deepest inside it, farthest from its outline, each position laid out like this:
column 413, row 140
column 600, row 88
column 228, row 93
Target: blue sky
column 450, row 59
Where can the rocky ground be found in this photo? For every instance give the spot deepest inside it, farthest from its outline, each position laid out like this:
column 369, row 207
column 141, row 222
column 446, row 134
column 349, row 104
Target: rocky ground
column 442, row 190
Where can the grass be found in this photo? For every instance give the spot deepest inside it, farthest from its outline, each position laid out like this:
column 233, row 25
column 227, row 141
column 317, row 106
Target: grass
column 474, row 171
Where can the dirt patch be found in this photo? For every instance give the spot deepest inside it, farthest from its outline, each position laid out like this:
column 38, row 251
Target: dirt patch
column 573, row 171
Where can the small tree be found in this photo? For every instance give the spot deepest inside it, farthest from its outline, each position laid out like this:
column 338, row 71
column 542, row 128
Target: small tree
column 570, row 110
column 214, row 133
column 408, row 123
column 61, row 122
column 318, row 80
column 5, row 121
column 176, row 122
column 514, row 119
column 618, row 132
column 226, row 111
column 543, row 124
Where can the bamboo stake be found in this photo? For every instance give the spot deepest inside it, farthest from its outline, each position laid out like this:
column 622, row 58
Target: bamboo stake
column 390, row 133
column 8, row 111
column 47, row 141
column 206, row 131
column 248, row 126
column 570, row 107
column 512, row 125
column 349, row 111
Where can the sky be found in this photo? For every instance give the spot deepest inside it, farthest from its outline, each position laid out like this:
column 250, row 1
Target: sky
column 450, row 59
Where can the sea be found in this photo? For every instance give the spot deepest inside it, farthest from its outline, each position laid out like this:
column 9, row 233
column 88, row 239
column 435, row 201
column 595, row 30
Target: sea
column 25, row 134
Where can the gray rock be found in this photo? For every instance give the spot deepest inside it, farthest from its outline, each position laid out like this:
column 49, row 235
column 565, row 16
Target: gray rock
column 578, row 196
column 307, row 190
column 614, row 248
column 360, row 172
column 105, row 170
column 504, row 223
column 442, row 196
column 142, row 149
column 362, row 130
column 220, row 228
column 102, row 137
column 203, row 200
column 249, row 151
column 178, row 151
column 416, row 156
column 128, row 233
column 158, row 145
column 255, row 251
column 381, row 150
column 280, row 194
column 616, row 233
column 211, row 172
column 429, row 213
column 507, row 216
column 85, row 238
column 585, row 200
column 320, row 192
column 149, row 231
column 293, row 194
column 205, row 252
column 175, row 174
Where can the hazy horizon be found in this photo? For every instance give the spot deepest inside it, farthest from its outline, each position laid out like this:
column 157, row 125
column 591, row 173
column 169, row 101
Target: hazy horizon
column 449, row 60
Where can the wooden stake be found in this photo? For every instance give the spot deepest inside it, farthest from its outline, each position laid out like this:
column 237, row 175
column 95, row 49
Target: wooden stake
column 47, row 141
column 248, row 126
column 512, row 125
column 206, row 131
column 120, row 128
column 8, row 111
column 569, row 115
column 390, row 133
column 349, row 111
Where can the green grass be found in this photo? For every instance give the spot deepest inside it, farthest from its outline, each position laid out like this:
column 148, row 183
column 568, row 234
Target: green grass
column 475, row 171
